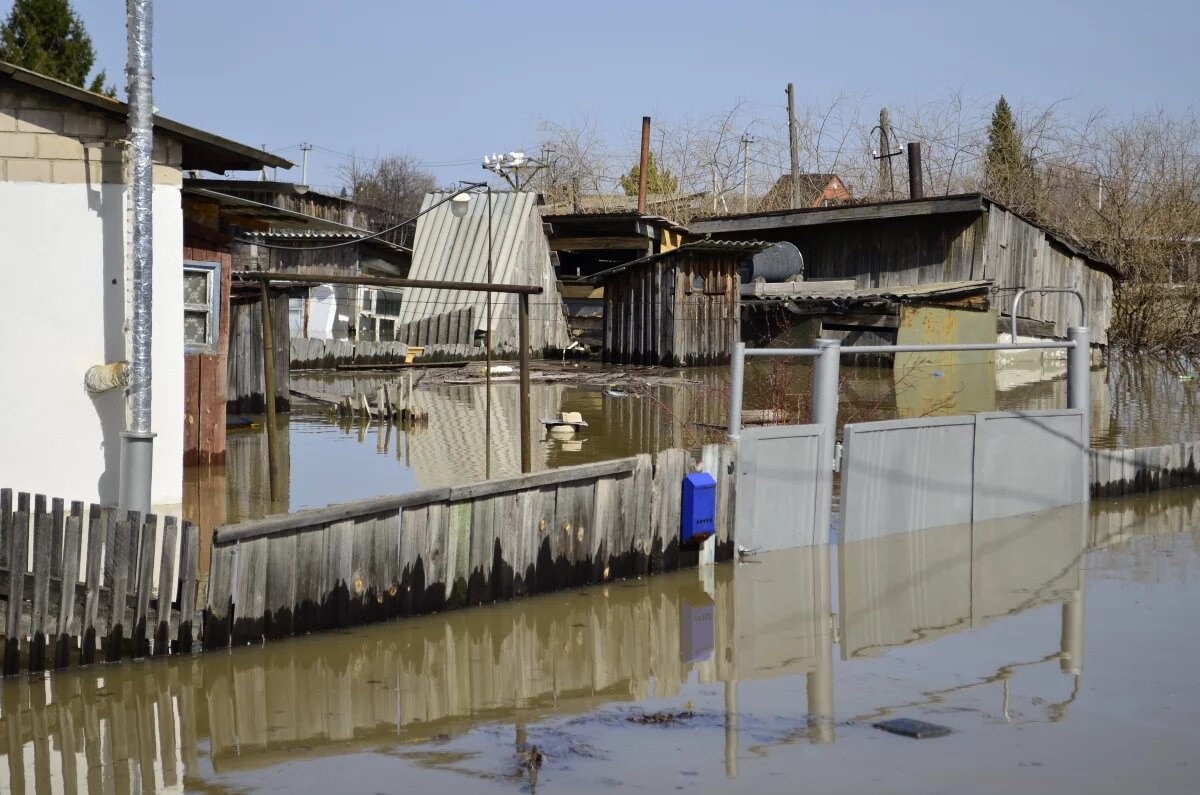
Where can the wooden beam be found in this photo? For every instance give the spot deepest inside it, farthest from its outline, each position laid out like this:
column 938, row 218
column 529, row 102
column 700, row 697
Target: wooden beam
column 598, row 243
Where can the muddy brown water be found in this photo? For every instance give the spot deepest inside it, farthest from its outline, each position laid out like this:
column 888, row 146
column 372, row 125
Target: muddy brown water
column 1135, row 402
column 1059, row 648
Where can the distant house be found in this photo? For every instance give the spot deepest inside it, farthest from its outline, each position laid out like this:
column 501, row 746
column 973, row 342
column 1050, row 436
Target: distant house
column 946, row 241
column 456, row 249
column 813, row 190
column 64, row 252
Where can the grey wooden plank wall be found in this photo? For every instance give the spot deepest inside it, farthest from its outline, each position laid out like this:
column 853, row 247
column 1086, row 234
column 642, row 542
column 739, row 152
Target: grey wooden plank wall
column 77, row 580
column 453, row 547
column 245, row 370
column 1139, row 470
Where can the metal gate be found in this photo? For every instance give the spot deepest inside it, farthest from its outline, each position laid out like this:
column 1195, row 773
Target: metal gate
column 784, row 487
column 899, row 476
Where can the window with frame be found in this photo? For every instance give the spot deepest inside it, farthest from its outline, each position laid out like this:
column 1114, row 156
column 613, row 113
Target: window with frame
column 201, row 306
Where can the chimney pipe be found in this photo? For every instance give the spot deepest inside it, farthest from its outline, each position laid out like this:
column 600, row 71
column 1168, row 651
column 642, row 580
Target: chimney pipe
column 916, row 189
column 644, row 168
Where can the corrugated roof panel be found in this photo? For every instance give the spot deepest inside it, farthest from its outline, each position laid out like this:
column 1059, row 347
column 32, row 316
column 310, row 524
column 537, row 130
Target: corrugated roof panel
column 456, row 249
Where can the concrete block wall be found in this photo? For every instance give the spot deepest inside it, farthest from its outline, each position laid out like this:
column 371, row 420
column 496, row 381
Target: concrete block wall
column 46, row 139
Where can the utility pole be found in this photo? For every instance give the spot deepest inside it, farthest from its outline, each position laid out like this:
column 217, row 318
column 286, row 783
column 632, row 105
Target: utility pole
column 885, row 152
column 794, row 145
column 746, row 141
column 305, row 149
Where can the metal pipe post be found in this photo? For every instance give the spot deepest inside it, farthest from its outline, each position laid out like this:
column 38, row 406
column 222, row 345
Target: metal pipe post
column 523, row 340
column 1079, row 377
column 644, row 167
column 825, row 384
column 487, row 377
column 916, row 188
column 737, row 373
column 268, row 334
column 137, row 441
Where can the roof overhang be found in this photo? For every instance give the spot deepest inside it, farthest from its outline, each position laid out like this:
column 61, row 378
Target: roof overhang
column 737, row 250
column 757, row 222
column 201, row 150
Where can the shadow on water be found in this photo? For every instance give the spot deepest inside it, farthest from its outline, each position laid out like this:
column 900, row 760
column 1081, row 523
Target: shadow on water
column 751, row 644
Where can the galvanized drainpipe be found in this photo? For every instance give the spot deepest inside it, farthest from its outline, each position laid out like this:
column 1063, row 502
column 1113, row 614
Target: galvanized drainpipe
column 137, row 441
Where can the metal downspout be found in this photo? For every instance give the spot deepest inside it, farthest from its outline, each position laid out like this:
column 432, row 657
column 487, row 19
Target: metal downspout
column 137, row 442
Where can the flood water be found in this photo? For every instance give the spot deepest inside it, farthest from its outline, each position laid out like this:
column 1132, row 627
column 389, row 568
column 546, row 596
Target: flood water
column 1058, row 648
column 1134, row 403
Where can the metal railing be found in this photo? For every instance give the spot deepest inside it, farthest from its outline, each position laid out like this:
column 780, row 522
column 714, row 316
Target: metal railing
column 826, row 370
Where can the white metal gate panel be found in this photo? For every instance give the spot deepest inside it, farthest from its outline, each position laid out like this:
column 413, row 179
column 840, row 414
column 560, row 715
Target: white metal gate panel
column 784, row 487
column 1028, row 461
column 904, row 475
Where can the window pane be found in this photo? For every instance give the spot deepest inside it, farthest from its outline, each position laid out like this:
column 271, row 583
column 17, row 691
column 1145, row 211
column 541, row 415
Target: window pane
column 195, row 328
column 195, row 287
column 387, row 329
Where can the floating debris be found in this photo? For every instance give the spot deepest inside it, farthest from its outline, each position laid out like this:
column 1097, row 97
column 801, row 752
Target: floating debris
column 664, row 717
column 909, row 727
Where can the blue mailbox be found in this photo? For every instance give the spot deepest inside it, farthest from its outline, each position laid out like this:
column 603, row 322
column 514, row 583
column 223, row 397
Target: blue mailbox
column 699, row 508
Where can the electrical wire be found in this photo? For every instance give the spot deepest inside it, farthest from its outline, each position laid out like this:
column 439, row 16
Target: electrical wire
column 364, row 238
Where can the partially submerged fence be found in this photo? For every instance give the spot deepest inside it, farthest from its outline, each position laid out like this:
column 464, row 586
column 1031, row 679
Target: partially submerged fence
column 1137, row 470
column 89, row 583
column 452, row 547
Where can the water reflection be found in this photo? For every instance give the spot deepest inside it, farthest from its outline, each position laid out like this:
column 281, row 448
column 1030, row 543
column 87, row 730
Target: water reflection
column 764, row 624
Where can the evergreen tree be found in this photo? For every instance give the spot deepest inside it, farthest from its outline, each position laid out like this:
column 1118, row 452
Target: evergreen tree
column 1006, row 165
column 660, row 183
column 48, row 37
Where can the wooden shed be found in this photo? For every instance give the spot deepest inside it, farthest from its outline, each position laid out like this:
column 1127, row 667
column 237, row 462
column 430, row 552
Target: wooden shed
column 939, row 240
column 678, row 308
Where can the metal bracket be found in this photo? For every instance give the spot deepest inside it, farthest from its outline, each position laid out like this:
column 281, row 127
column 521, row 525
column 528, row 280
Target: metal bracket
column 1041, row 291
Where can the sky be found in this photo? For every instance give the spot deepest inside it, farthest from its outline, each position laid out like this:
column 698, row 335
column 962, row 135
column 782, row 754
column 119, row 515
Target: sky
column 449, row 81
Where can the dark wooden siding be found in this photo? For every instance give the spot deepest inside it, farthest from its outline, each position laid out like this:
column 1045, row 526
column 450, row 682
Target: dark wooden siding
column 995, row 245
column 245, row 390
column 658, row 314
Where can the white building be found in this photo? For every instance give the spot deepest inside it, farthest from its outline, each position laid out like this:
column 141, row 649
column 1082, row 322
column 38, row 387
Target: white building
column 65, row 265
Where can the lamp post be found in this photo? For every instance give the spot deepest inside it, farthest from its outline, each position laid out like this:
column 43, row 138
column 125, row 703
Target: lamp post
column 458, row 206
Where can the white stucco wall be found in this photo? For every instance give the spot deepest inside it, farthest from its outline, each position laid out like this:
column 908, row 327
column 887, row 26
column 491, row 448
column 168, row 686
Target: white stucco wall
column 62, row 261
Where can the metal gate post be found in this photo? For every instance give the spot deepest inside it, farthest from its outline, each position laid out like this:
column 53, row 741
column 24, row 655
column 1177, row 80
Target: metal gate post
column 825, row 384
column 1079, row 377
column 737, row 375
column 824, row 413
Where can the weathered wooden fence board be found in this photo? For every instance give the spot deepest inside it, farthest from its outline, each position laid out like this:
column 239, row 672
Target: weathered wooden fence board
column 419, row 553
column 60, row 595
column 1139, row 470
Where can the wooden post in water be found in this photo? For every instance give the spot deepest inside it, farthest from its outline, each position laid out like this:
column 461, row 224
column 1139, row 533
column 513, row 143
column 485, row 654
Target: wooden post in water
column 269, row 387
column 523, row 341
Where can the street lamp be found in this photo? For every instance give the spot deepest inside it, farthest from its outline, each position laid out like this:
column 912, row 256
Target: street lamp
column 459, row 204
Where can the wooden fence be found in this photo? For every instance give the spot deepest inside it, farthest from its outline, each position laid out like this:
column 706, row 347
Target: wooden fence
column 448, row 336
column 245, row 362
column 81, row 582
column 1138, row 470
column 451, row 547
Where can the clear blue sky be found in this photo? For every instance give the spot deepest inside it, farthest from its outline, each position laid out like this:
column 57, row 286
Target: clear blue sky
column 448, row 81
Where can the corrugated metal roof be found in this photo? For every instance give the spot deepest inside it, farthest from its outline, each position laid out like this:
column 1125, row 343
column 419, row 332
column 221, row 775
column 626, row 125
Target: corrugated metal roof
column 286, row 224
column 456, row 249
column 743, row 247
column 815, row 292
